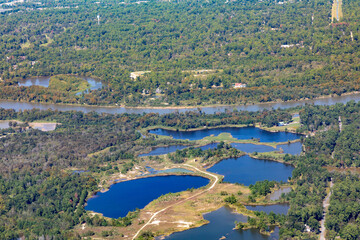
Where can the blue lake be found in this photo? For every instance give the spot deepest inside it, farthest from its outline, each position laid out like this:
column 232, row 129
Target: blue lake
column 238, row 133
column 247, row 170
column 277, row 209
column 222, row 222
column 129, row 195
column 292, row 148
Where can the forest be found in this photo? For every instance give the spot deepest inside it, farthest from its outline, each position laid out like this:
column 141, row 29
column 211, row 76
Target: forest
column 176, row 53
column 194, row 51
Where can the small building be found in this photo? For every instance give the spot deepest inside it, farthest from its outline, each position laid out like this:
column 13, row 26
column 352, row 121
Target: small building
column 239, row 85
column 158, row 90
column 135, row 75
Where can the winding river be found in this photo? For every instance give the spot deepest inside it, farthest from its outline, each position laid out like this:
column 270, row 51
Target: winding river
column 113, row 110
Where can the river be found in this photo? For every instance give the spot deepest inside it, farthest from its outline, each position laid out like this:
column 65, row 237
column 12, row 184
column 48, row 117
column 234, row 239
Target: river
column 113, row 110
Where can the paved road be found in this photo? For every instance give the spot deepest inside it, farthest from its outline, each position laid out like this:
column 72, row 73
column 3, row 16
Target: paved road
column 326, row 204
column 182, row 201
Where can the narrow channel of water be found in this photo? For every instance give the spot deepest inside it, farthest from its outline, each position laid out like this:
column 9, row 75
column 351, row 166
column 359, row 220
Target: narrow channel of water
column 277, row 193
column 246, row 170
column 209, row 110
column 45, row 81
column 222, row 222
column 292, row 148
column 238, row 133
column 282, row 208
column 163, row 150
column 37, row 81
column 4, row 124
column 127, row 196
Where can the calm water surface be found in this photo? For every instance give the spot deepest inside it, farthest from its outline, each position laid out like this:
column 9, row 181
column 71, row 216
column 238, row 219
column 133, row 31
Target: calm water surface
column 277, row 209
column 37, row 81
column 44, row 82
column 129, row 195
column 277, row 194
column 209, row 110
column 222, row 222
column 170, row 170
column 292, row 148
column 238, row 133
column 247, row 170
column 4, row 124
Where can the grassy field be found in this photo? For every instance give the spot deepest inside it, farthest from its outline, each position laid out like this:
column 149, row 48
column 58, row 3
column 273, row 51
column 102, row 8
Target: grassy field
column 66, row 83
column 291, row 127
column 49, row 41
column 26, row 45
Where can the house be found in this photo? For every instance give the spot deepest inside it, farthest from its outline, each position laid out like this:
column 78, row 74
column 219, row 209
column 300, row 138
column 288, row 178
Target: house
column 135, row 75
column 158, row 91
column 239, row 85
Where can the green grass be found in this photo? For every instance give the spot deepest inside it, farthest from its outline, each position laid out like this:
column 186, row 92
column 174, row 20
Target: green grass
column 26, row 45
column 278, row 157
column 66, row 83
column 49, row 41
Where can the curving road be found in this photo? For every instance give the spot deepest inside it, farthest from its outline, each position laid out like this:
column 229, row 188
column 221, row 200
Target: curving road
column 182, row 201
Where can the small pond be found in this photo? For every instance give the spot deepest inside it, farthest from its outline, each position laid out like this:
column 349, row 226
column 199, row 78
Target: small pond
column 127, row 196
column 222, row 222
column 277, row 193
column 238, row 133
column 291, row 148
column 44, row 82
column 4, row 124
column 282, row 208
column 247, row 170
